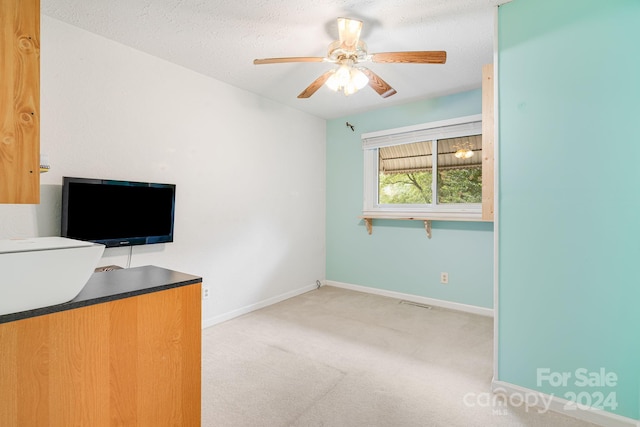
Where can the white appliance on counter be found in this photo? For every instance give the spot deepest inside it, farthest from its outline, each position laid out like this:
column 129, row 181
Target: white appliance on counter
column 43, row 271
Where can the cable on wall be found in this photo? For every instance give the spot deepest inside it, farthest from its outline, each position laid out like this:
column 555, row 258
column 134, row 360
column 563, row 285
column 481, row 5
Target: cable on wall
column 129, row 258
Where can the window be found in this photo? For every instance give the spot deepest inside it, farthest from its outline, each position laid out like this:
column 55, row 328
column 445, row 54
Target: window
column 433, row 170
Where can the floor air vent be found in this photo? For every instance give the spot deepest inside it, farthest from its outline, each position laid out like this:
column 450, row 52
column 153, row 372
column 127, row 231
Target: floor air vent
column 416, row 304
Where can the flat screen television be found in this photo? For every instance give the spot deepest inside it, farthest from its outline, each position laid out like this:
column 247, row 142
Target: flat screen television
column 117, row 213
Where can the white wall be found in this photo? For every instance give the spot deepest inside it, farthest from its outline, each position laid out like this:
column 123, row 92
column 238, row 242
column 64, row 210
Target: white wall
column 250, row 173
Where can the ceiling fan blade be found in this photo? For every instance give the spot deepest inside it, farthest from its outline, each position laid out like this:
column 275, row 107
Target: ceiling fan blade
column 417, row 57
column 290, row 59
column 317, row 83
column 349, row 33
column 379, row 85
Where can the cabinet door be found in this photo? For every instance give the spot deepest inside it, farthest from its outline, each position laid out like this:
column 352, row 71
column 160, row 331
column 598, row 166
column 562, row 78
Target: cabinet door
column 129, row 362
column 20, row 101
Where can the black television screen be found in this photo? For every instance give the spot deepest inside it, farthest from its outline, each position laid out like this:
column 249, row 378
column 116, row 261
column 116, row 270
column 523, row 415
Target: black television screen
column 117, row 213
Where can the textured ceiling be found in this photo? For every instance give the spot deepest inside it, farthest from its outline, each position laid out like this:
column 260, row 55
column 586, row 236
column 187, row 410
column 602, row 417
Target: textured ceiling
column 220, row 38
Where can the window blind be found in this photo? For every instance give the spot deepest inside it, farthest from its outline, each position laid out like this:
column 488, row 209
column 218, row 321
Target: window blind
column 471, row 126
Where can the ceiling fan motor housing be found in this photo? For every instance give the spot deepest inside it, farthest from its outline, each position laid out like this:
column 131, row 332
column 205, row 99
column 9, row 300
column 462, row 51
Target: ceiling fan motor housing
column 337, row 51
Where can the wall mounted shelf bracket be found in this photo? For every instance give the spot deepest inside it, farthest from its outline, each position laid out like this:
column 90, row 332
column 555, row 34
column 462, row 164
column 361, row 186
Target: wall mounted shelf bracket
column 368, row 222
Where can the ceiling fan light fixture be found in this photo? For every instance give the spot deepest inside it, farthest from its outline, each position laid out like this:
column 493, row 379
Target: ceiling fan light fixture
column 339, row 79
column 358, row 78
column 332, row 82
column 463, row 153
column 347, row 79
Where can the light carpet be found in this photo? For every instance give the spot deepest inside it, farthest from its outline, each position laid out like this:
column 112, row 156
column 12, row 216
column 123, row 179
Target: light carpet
column 334, row 357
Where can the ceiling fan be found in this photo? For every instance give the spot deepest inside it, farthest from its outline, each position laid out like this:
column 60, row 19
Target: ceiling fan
column 348, row 52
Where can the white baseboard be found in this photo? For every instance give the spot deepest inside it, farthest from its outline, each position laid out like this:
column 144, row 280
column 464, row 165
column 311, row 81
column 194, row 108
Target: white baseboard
column 563, row 406
column 483, row 311
column 257, row 306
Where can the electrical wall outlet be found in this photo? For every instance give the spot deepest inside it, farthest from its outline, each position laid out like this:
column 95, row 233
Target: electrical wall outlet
column 205, row 292
column 444, row 277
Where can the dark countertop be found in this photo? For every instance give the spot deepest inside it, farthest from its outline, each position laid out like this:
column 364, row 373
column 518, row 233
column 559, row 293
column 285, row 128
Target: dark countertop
column 113, row 285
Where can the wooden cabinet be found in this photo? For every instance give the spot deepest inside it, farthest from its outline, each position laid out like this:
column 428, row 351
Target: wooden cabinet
column 20, row 101
column 130, row 362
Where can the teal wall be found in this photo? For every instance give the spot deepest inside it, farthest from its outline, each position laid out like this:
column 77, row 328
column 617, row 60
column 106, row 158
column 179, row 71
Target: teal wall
column 398, row 256
column 569, row 235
